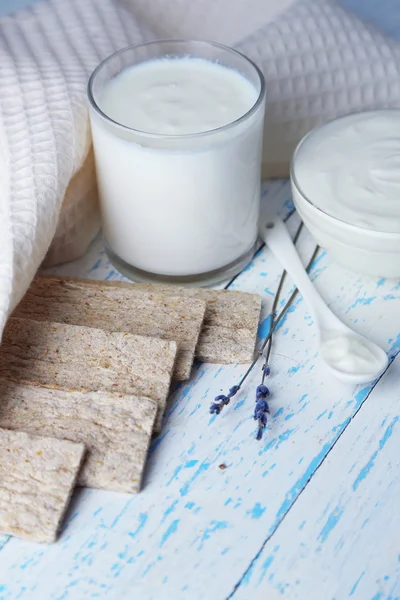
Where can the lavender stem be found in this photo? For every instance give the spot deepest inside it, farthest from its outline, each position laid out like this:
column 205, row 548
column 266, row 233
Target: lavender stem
column 276, row 321
column 223, row 400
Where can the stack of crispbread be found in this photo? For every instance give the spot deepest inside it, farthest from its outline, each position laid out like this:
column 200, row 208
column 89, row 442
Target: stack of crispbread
column 85, row 371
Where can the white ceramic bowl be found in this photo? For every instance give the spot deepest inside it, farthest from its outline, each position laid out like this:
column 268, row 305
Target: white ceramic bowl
column 375, row 253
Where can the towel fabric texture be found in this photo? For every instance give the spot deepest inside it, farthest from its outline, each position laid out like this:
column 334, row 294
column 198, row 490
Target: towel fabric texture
column 319, row 62
column 47, row 53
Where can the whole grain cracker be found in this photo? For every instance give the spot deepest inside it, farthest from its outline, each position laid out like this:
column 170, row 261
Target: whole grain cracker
column 229, row 331
column 37, row 476
column 115, row 428
column 70, row 356
column 230, row 326
column 116, row 309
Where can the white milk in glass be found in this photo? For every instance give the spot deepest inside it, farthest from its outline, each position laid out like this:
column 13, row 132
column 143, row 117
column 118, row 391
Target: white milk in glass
column 178, row 165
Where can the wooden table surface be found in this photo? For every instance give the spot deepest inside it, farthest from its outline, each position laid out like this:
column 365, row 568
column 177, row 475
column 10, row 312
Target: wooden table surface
column 310, row 512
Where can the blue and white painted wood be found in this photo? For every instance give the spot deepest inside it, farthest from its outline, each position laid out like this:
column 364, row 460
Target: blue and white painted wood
column 309, row 512
column 341, row 538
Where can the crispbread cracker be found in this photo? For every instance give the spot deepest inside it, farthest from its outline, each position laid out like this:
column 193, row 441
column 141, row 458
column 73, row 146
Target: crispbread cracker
column 37, row 476
column 115, row 428
column 229, row 331
column 69, row 356
column 116, row 309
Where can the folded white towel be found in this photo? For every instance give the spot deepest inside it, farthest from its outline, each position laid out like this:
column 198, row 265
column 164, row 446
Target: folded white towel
column 46, row 55
column 225, row 21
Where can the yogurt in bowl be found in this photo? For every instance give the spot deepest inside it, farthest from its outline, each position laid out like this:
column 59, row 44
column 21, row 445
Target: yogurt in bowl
column 346, row 187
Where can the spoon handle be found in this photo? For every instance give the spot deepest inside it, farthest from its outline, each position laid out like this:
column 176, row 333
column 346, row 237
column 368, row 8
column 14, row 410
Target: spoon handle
column 277, row 238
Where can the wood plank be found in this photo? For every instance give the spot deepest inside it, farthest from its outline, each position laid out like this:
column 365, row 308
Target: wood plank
column 342, row 537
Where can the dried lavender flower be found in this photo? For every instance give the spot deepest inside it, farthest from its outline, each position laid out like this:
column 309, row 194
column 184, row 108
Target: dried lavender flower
column 266, row 370
column 222, row 400
column 262, row 392
column 261, row 410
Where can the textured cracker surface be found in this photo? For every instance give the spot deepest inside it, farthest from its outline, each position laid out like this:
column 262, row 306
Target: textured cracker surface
column 69, row 356
column 115, row 428
column 37, row 476
column 116, row 309
column 229, row 331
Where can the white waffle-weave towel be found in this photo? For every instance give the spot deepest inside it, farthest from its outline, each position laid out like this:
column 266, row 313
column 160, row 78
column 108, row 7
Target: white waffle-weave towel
column 46, row 55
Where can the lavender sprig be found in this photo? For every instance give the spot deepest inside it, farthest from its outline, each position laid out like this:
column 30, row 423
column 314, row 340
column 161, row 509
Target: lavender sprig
column 222, row 400
column 261, row 410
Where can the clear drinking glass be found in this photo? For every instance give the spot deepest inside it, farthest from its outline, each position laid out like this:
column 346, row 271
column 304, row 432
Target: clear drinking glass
column 178, row 208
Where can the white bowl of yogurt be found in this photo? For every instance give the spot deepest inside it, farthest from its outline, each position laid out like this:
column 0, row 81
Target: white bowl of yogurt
column 345, row 178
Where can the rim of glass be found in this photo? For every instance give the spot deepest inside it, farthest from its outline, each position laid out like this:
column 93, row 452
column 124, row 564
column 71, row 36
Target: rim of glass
column 164, row 136
column 295, row 182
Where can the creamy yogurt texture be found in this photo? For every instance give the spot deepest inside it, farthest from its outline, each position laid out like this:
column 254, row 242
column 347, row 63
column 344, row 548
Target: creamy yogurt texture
column 178, row 96
column 349, row 354
column 350, row 169
column 185, row 205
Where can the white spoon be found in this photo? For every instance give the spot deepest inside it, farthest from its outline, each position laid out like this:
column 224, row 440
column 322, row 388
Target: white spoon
column 349, row 356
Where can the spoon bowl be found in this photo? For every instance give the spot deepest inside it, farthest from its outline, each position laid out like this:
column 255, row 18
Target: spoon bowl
column 349, row 356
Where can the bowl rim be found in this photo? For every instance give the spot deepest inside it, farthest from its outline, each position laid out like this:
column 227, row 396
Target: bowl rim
column 302, row 204
column 295, row 182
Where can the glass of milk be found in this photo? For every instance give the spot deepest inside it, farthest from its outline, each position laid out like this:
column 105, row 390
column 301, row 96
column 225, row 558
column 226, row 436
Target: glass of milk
column 177, row 133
